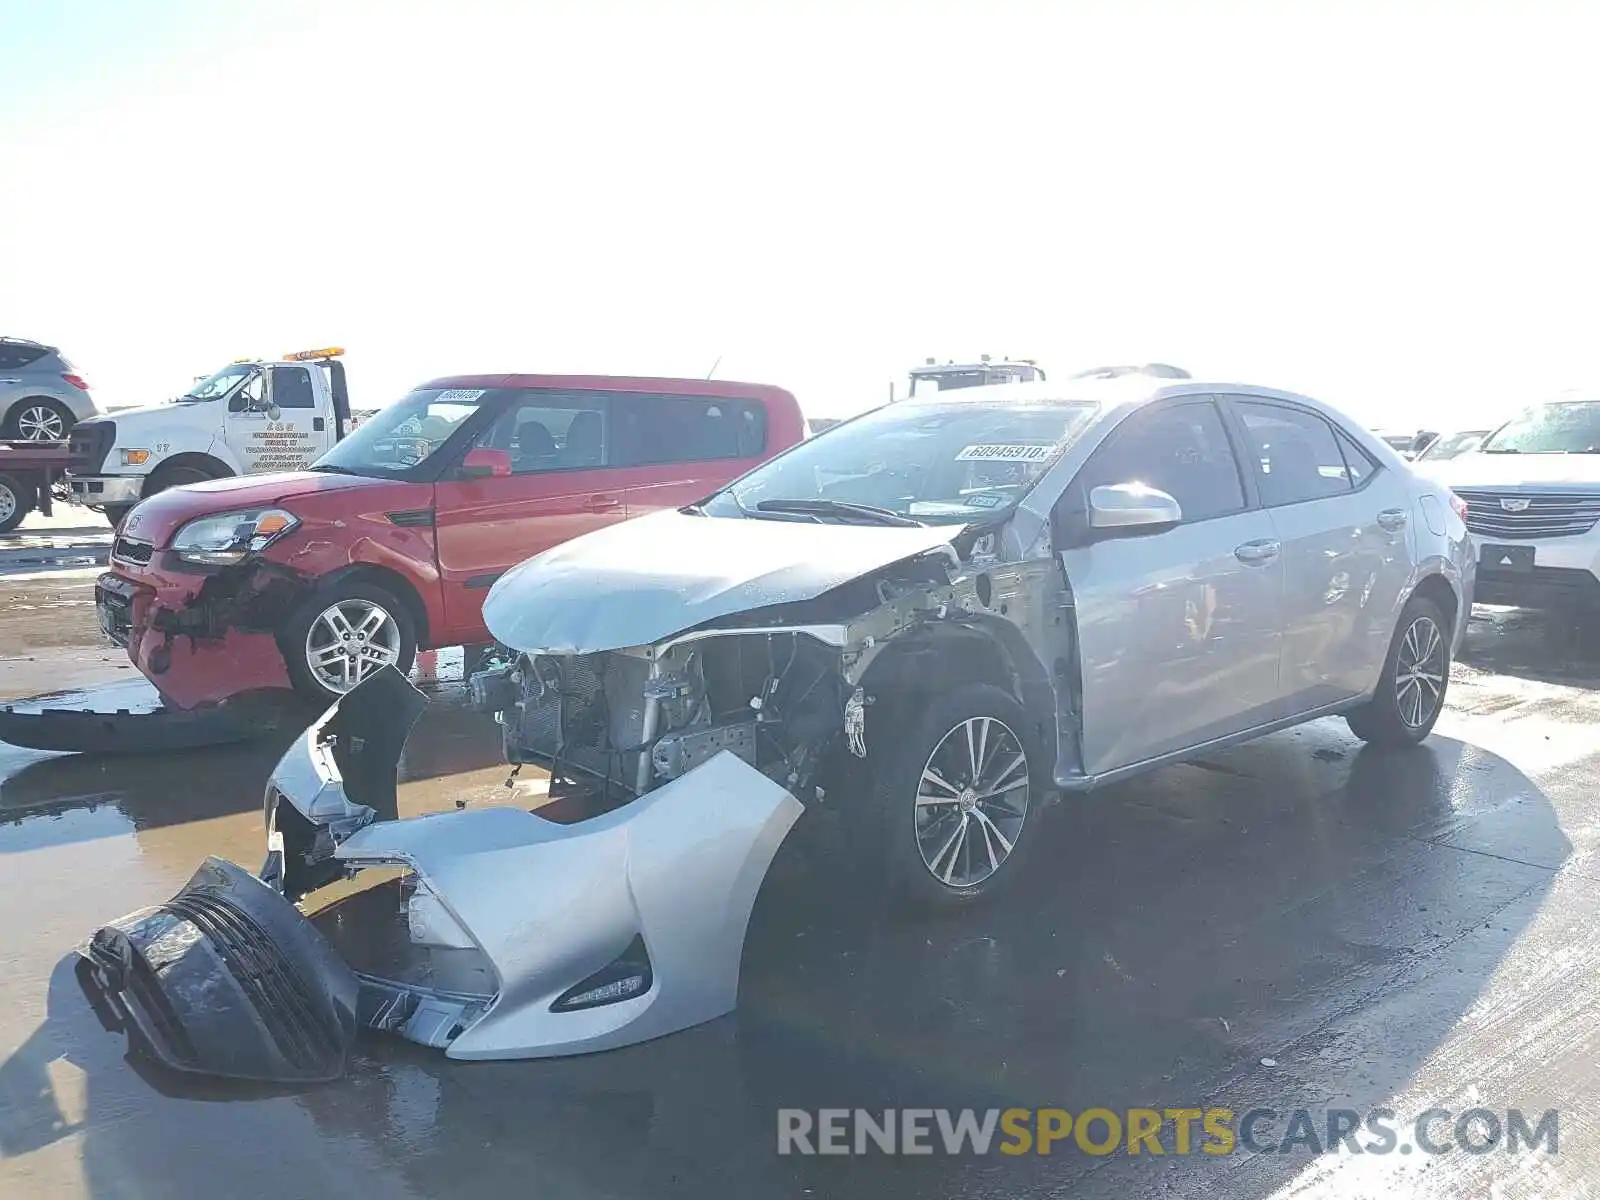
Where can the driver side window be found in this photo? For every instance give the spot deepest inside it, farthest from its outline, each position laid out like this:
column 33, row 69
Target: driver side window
column 1183, row 449
column 250, row 394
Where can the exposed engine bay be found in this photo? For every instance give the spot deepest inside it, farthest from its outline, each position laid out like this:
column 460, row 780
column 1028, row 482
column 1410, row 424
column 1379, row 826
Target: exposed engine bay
column 785, row 689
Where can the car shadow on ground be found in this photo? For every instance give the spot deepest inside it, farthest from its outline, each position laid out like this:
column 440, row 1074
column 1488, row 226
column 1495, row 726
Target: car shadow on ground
column 1172, row 933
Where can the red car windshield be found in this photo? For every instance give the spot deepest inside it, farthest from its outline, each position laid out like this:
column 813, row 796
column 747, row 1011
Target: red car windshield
column 406, row 434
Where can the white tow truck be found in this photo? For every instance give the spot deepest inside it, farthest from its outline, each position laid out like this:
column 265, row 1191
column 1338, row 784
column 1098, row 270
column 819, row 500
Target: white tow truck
column 251, row 417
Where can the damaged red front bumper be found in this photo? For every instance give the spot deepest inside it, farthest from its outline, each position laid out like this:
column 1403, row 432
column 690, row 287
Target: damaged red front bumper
column 200, row 639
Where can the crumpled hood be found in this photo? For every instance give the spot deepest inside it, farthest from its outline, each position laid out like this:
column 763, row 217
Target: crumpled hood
column 156, row 519
column 1510, row 470
column 643, row 580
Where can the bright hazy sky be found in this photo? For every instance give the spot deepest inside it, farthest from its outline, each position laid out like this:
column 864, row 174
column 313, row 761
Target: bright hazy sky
column 1394, row 207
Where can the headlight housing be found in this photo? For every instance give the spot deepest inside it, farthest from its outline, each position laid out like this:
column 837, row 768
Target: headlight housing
column 228, row 537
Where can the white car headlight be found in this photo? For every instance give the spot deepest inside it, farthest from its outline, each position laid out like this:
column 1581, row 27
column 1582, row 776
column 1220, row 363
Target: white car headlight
column 228, row 537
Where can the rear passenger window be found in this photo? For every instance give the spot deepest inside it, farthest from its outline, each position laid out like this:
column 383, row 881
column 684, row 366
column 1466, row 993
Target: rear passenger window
column 1293, row 452
column 1357, row 460
column 16, row 355
column 291, row 388
column 668, row 429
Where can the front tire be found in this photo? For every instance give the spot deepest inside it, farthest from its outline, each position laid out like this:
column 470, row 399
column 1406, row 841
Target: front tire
column 956, row 797
column 343, row 633
column 1411, row 690
column 175, row 476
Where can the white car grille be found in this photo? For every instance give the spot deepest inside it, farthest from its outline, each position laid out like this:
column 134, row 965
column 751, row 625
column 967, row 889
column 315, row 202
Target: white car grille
column 1530, row 514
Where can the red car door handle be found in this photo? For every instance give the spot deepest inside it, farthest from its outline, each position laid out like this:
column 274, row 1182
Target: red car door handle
column 604, row 501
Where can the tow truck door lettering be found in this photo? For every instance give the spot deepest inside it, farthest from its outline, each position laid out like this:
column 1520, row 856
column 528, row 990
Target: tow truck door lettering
column 285, row 437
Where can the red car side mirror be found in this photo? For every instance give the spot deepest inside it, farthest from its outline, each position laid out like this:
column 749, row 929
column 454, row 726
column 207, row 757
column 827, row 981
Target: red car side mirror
column 482, row 462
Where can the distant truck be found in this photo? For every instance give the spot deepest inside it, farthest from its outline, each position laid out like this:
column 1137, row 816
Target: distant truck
column 250, row 418
column 936, row 377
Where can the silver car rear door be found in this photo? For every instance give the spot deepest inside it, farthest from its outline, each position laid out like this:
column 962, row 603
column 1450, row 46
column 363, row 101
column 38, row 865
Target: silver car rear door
column 1344, row 525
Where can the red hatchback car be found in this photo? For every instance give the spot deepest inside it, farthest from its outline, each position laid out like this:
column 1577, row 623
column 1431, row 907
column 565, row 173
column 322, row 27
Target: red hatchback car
column 314, row 579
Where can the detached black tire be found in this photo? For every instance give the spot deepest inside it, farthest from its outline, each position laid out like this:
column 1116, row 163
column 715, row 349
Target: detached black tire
column 341, row 634
column 16, row 502
column 1415, row 677
column 944, row 834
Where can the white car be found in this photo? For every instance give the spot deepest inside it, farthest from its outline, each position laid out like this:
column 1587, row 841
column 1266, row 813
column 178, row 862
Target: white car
column 1532, row 489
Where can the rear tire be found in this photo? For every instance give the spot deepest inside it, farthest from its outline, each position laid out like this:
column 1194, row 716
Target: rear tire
column 16, row 502
column 342, row 633
column 933, row 826
column 1416, row 675
column 39, row 419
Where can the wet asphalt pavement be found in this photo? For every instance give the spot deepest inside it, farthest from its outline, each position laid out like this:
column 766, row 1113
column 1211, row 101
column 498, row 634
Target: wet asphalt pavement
column 1405, row 931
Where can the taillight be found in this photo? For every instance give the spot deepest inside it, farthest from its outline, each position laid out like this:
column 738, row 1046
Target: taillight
column 76, row 381
column 1460, row 505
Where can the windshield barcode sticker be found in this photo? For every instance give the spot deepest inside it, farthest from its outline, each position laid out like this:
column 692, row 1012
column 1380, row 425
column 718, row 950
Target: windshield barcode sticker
column 1005, row 453
column 459, row 395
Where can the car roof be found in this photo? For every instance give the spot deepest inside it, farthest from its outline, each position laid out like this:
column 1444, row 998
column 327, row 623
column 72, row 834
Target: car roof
column 1120, row 391
column 729, row 389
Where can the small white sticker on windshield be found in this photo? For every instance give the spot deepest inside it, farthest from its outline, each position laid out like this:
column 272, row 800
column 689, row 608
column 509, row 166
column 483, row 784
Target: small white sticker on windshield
column 459, row 395
column 994, row 452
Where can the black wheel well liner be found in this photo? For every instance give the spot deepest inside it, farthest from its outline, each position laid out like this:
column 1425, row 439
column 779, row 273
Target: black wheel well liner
column 391, row 581
column 213, row 466
column 981, row 650
column 1434, row 586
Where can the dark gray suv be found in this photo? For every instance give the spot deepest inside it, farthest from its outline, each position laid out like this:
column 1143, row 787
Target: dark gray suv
column 41, row 395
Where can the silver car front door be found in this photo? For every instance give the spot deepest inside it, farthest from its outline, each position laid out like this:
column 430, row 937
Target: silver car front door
column 1344, row 526
column 1178, row 630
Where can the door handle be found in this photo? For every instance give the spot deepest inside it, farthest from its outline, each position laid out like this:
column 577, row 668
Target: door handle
column 10, row 381
column 603, row 502
column 1392, row 519
column 1260, row 551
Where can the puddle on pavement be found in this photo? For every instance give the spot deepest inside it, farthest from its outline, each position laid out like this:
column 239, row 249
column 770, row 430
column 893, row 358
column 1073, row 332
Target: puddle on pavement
column 1276, row 889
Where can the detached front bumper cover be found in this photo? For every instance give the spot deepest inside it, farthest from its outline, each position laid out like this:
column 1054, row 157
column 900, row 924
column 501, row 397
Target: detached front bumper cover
column 518, row 937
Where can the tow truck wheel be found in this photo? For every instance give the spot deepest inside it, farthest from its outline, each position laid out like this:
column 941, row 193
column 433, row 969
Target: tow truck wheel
column 16, row 502
column 342, row 634
column 955, row 797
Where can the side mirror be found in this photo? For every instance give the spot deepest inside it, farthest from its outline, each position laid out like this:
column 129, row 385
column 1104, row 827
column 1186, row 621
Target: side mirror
column 484, row 462
column 1130, row 510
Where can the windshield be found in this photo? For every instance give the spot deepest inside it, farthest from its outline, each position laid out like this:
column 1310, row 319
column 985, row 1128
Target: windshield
column 1567, row 427
column 405, row 434
column 216, row 386
column 937, row 463
column 1452, row 445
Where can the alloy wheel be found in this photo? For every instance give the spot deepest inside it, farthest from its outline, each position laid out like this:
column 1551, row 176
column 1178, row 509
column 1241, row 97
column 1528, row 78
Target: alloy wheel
column 1419, row 672
column 8, row 504
column 41, row 423
column 971, row 802
column 349, row 641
